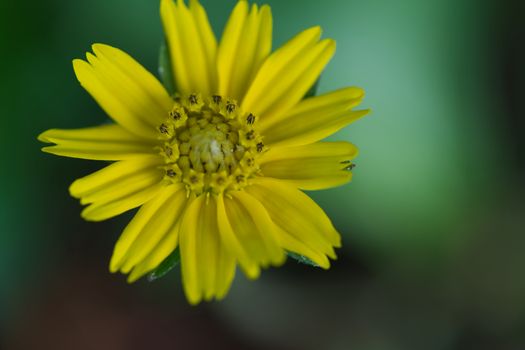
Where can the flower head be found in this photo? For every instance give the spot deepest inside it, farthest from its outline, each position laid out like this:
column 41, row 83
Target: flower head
column 217, row 169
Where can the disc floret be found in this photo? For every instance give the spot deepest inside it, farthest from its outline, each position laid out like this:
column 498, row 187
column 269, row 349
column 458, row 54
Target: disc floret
column 209, row 144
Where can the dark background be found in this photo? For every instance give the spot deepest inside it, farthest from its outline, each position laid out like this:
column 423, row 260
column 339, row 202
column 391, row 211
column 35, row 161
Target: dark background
column 433, row 222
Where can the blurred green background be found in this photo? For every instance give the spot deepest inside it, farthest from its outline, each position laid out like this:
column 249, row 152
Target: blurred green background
column 433, row 222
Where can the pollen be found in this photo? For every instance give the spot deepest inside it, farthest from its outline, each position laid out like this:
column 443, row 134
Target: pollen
column 209, row 144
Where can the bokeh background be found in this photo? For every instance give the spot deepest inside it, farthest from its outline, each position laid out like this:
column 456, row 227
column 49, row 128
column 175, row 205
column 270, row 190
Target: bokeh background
column 433, row 222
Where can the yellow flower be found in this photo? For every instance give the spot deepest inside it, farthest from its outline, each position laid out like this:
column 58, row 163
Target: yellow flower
column 217, row 170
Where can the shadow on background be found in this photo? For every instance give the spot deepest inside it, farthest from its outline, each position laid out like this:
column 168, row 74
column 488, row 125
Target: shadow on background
column 432, row 222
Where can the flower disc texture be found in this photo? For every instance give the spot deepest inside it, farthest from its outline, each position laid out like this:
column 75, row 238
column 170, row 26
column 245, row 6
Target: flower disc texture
column 217, row 170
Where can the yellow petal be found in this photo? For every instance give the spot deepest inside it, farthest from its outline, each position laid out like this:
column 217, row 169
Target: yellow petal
column 148, row 214
column 287, row 74
column 315, row 118
column 277, row 63
column 264, row 225
column 225, row 272
column 293, row 244
column 118, row 187
column 164, row 248
column 189, row 251
column 208, row 248
column 232, row 243
column 100, row 211
column 124, row 89
column 311, row 167
column 136, row 79
column 245, row 44
column 207, row 267
column 126, row 185
column 295, row 83
column 209, row 42
column 175, row 48
column 191, row 45
column 105, row 142
column 169, row 206
column 297, row 214
column 217, row 265
column 254, row 229
column 111, row 175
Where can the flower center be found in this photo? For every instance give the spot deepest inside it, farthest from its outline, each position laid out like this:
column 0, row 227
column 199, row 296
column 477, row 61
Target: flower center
column 209, row 144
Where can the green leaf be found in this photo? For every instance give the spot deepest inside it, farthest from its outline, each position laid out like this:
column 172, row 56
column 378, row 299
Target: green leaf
column 166, row 266
column 313, row 90
column 302, row 259
column 165, row 71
